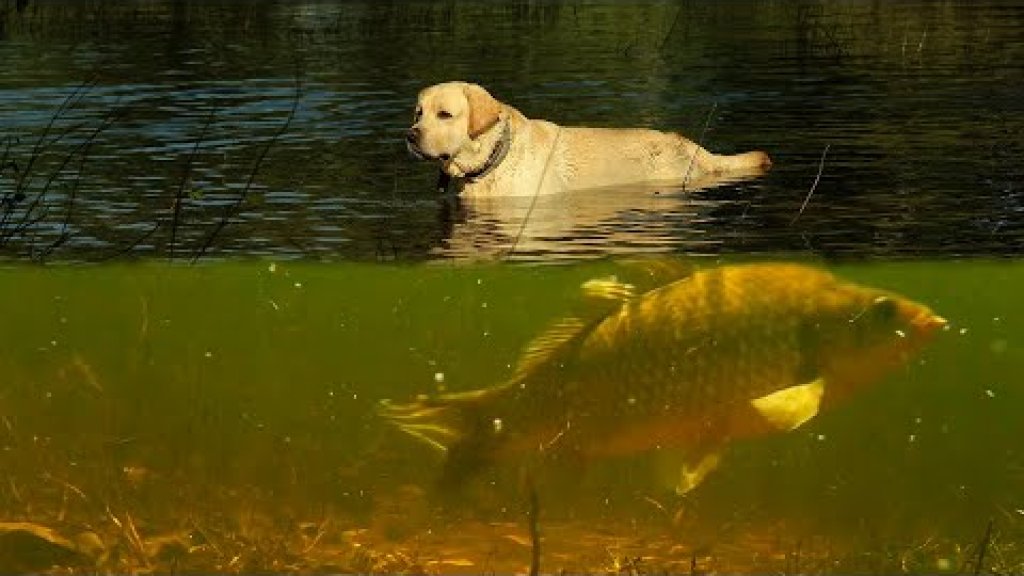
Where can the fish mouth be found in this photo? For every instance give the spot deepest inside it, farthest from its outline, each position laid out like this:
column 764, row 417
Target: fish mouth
column 927, row 322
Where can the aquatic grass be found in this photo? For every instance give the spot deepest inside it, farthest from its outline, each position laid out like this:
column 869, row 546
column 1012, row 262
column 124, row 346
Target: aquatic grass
column 201, row 527
column 816, row 35
column 72, row 193
column 232, row 209
column 36, row 221
column 24, row 204
column 185, row 182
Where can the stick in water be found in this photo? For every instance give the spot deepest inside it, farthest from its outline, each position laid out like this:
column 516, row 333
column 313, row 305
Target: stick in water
column 531, row 515
column 821, row 166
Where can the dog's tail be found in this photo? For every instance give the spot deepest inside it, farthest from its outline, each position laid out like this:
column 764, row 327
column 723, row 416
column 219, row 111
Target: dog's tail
column 745, row 162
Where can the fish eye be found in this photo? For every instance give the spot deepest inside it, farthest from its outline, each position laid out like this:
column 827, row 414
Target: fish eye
column 444, row 114
column 884, row 307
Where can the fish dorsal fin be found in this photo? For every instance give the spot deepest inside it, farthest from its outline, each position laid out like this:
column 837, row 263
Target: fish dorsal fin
column 788, row 408
column 642, row 274
column 657, row 272
column 543, row 346
column 608, row 288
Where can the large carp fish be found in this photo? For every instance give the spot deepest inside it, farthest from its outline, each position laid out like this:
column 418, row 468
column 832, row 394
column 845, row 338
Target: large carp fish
column 716, row 355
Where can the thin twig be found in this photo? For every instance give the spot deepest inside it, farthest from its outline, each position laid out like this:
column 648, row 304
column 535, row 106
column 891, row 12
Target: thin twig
column 133, row 244
column 671, row 29
column 135, row 537
column 321, row 530
column 24, row 178
column 6, row 164
column 206, row 537
column 700, row 142
column 232, row 209
column 130, row 534
column 73, row 194
column 532, row 515
column 82, row 150
column 657, row 505
column 821, row 167
column 66, row 484
column 69, row 101
column 983, row 549
column 179, row 196
column 536, row 193
column 14, row 489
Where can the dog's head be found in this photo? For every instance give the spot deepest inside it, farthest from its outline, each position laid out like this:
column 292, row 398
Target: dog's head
column 448, row 119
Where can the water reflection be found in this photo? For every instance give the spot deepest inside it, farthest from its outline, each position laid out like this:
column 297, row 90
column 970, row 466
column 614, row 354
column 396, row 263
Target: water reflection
column 620, row 220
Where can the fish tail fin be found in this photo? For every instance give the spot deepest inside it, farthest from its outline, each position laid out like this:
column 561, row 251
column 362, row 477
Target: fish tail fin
column 461, row 425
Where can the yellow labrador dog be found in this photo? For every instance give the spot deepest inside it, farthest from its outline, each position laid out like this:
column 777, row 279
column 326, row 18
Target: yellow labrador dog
column 494, row 150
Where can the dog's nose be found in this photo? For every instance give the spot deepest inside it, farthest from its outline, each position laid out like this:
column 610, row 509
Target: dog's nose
column 413, row 135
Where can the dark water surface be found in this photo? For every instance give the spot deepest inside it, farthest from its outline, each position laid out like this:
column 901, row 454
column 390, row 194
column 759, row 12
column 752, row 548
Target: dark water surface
column 105, row 107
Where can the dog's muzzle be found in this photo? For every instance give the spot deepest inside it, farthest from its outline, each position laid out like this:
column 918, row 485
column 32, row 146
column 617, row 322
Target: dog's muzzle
column 412, row 143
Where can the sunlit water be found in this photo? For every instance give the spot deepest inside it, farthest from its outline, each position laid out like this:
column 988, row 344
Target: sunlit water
column 229, row 407
column 918, row 105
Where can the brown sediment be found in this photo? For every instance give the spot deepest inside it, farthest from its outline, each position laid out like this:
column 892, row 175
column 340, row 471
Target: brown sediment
column 253, row 539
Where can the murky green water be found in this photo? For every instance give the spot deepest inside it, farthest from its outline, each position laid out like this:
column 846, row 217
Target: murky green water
column 200, row 395
column 222, row 416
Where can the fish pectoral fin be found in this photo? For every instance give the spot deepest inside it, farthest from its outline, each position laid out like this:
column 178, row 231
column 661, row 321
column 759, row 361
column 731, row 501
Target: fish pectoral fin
column 693, row 473
column 435, row 435
column 682, row 471
column 789, row 408
column 608, row 288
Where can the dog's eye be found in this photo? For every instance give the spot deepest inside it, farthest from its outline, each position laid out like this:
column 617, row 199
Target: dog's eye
column 444, row 114
column 419, row 112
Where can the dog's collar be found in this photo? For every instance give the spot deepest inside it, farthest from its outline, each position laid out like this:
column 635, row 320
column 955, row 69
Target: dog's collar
column 497, row 154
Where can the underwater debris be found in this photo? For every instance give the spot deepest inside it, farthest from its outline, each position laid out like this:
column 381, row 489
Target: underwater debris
column 27, row 547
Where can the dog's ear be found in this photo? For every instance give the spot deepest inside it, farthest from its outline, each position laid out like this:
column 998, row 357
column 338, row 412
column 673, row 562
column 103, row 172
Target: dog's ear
column 483, row 110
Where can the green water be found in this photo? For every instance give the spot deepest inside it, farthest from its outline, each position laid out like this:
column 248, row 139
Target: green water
column 181, row 392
